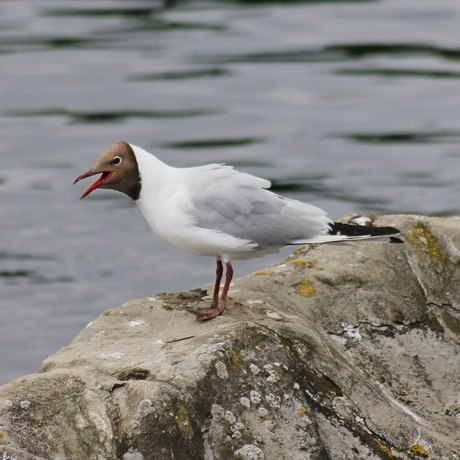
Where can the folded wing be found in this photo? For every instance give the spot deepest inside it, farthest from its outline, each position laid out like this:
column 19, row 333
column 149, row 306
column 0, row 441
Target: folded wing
column 239, row 204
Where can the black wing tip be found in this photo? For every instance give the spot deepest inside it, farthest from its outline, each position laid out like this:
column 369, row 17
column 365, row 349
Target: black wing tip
column 339, row 228
column 396, row 240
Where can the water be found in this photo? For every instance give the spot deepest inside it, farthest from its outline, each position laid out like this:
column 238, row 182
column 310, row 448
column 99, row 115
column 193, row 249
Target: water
column 351, row 106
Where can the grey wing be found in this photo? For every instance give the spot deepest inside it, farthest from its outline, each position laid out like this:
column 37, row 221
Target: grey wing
column 240, row 205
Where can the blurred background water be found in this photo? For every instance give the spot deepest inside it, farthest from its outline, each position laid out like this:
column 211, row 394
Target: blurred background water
column 351, row 106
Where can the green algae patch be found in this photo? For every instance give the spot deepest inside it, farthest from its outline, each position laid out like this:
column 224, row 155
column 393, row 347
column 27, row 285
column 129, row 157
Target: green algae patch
column 387, row 451
column 306, row 289
column 418, row 450
column 298, row 262
column 184, row 424
column 452, row 323
column 423, row 240
column 235, row 360
column 263, row 273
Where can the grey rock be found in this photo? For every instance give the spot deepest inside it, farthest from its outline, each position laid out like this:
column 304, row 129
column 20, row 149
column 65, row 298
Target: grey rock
column 249, row 452
column 339, row 352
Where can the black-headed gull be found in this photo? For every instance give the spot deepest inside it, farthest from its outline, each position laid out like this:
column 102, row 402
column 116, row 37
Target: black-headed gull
column 215, row 211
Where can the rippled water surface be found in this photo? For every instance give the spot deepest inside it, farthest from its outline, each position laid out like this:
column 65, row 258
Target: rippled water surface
column 351, row 106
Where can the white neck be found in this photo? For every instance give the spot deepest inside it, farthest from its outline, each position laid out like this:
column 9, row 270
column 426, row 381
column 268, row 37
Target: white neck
column 159, row 183
column 154, row 173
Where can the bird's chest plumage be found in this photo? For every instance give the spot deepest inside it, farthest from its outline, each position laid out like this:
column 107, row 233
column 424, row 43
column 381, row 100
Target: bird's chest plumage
column 168, row 217
column 162, row 214
column 177, row 205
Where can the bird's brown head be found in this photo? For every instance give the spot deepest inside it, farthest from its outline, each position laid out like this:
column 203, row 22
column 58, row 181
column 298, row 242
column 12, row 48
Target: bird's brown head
column 118, row 170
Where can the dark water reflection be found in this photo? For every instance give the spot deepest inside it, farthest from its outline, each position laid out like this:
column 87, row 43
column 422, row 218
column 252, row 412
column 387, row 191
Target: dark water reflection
column 198, row 73
column 352, row 106
column 109, row 117
column 337, row 53
column 403, row 137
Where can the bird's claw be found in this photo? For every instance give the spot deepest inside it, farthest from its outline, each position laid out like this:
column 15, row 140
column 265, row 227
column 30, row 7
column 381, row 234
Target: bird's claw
column 205, row 314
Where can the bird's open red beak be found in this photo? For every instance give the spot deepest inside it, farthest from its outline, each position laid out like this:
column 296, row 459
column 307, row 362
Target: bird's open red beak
column 104, row 176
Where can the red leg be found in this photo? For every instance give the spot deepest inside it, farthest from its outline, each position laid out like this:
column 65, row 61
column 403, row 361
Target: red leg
column 228, row 280
column 215, row 296
column 217, row 308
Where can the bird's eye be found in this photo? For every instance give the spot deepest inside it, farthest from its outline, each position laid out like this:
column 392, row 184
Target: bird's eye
column 116, row 160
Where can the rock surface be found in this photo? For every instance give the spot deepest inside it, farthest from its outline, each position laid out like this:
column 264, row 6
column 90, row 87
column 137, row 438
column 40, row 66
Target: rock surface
column 339, row 352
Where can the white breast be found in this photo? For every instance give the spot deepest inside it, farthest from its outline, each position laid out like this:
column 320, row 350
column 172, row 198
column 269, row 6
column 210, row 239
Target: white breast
column 165, row 203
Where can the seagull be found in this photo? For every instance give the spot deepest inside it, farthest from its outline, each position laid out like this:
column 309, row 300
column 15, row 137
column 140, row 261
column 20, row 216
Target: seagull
column 216, row 211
